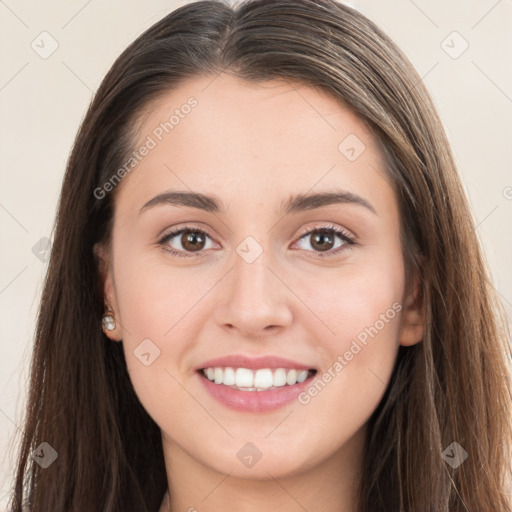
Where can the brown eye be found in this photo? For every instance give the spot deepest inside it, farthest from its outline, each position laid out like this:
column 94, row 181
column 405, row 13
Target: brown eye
column 192, row 240
column 323, row 240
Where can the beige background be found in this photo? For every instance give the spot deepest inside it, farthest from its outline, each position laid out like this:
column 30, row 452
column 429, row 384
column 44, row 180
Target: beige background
column 42, row 101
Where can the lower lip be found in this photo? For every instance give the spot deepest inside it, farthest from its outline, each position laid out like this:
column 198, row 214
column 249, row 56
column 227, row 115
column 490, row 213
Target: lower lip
column 254, row 401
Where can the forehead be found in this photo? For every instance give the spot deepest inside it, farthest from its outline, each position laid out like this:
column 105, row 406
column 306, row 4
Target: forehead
column 267, row 139
column 228, row 107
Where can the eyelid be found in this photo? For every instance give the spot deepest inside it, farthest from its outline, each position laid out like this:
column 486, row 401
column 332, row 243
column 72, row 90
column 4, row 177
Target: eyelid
column 328, row 226
column 187, row 226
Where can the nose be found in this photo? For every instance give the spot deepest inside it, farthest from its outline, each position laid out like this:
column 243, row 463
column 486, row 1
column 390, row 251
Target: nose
column 255, row 299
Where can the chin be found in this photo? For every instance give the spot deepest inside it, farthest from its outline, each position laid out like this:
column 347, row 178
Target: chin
column 258, row 460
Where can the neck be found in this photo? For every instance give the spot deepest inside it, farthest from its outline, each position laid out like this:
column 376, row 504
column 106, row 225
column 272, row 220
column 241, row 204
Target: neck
column 330, row 486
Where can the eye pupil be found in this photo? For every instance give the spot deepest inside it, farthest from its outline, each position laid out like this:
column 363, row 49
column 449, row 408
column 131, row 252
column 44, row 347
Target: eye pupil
column 190, row 239
column 318, row 241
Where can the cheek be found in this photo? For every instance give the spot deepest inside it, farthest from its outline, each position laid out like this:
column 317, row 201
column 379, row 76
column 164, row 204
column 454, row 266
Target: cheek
column 363, row 309
column 355, row 297
column 348, row 390
column 158, row 311
column 160, row 326
column 152, row 297
column 360, row 311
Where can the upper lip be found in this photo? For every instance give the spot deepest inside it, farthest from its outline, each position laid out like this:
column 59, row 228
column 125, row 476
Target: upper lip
column 253, row 363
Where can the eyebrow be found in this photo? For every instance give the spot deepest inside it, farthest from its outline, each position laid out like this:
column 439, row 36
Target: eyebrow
column 295, row 204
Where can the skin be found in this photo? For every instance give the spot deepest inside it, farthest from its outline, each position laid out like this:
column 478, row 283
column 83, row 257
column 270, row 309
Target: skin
column 253, row 145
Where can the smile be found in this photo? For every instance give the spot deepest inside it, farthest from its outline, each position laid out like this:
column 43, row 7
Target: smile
column 254, row 390
column 245, row 379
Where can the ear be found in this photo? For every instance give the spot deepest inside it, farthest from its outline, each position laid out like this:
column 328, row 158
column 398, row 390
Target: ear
column 107, row 286
column 412, row 327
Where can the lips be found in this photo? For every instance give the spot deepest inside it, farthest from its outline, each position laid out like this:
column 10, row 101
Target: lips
column 253, row 363
column 254, row 384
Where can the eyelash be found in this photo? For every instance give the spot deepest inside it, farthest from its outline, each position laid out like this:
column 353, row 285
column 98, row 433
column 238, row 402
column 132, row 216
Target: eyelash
column 347, row 239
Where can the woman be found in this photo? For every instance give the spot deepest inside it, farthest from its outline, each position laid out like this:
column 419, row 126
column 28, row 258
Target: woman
column 265, row 290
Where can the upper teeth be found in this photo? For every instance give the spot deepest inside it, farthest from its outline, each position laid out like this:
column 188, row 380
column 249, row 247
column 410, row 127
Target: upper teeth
column 263, row 378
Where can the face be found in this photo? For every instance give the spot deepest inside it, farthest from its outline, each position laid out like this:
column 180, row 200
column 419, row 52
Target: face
column 263, row 287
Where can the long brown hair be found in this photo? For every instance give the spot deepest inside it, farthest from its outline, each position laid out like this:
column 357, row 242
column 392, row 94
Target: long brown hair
column 454, row 386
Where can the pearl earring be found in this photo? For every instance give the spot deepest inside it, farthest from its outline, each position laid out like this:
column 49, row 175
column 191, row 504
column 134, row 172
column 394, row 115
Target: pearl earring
column 108, row 320
column 109, row 323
